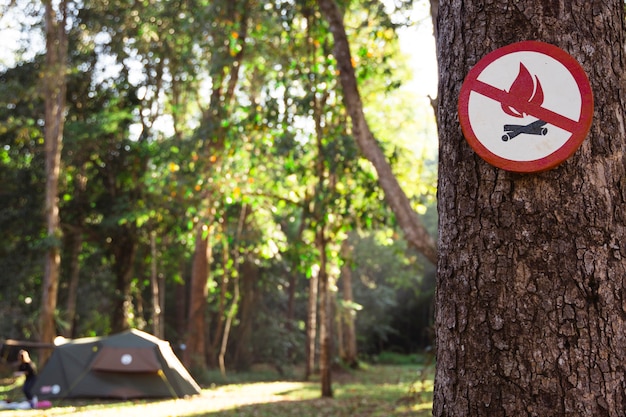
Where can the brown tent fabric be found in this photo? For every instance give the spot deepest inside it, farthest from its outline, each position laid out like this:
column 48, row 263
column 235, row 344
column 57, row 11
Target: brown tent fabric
column 113, row 359
column 132, row 364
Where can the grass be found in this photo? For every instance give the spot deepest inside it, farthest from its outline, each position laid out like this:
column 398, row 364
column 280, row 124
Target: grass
column 374, row 391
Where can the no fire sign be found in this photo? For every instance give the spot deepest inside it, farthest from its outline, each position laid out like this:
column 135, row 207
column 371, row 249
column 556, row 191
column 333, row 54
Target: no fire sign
column 526, row 107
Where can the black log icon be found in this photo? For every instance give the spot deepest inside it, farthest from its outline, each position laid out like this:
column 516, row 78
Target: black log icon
column 535, row 128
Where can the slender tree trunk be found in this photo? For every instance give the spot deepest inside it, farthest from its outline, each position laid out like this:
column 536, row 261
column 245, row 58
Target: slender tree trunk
column 54, row 96
column 531, row 312
column 232, row 312
column 124, row 249
column 244, row 349
column 234, row 307
column 72, row 290
column 220, row 316
column 341, row 338
column 194, row 353
column 348, row 313
column 325, row 321
column 311, row 323
column 157, row 312
column 181, row 309
column 414, row 231
column 76, row 237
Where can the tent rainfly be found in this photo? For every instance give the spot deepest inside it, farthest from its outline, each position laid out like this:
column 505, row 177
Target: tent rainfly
column 132, row 364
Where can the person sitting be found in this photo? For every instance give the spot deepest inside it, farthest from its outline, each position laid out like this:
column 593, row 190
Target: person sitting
column 27, row 368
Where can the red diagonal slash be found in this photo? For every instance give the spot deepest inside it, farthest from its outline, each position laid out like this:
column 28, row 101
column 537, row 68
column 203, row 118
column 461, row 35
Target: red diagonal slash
column 539, row 112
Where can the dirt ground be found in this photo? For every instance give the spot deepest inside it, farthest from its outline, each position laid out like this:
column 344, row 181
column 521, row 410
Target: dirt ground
column 210, row 400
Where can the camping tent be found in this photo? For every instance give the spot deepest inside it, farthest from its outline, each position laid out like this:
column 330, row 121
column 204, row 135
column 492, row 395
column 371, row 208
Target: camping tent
column 132, row 364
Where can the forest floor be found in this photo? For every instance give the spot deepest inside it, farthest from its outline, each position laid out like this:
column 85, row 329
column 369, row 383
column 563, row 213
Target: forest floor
column 374, row 391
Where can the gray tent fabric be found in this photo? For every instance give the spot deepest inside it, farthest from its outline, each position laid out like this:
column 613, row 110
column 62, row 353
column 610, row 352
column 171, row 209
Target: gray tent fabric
column 132, row 364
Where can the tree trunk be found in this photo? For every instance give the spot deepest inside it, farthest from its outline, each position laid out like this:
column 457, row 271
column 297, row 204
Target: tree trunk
column 224, row 73
column 72, row 289
column 243, row 359
column 311, row 323
column 76, row 244
column 181, row 309
column 157, row 313
column 195, row 346
column 414, row 231
column 325, row 320
column 531, row 310
column 54, row 97
column 234, row 307
column 124, row 249
column 220, row 316
column 347, row 313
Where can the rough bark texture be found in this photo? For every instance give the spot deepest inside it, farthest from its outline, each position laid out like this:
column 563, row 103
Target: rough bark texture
column 54, row 89
column 414, row 231
column 531, row 303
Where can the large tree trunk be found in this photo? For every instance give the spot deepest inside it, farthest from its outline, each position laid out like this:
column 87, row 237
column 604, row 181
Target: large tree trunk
column 54, row 96
column 195, row 347
column 414, row 231
column 531, row 310
column 123, row 249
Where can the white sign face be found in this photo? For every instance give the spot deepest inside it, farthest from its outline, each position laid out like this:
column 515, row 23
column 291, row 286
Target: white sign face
column 526, row 107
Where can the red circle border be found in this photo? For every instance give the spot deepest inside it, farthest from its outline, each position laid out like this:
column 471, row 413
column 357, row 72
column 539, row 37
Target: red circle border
column 568, row 148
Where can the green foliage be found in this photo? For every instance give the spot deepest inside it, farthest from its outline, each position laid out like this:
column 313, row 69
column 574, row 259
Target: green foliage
column 391, row 286
column 188, row 113
column 393, row 358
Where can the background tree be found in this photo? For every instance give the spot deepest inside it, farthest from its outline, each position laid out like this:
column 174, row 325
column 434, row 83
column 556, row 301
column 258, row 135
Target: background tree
column 21, row 170
column 54, row 89
column 414, row 230
column 530, row 297
column 179, row 116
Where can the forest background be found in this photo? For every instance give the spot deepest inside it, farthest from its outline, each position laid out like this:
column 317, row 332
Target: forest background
column 215, row 130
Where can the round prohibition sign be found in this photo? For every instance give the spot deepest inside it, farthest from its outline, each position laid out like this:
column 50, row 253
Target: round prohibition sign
column 526, row 107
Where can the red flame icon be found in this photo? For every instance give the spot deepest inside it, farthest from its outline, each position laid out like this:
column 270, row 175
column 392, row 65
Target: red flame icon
column 525, row 88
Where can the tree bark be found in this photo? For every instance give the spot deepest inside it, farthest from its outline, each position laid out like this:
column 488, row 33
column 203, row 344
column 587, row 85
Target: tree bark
column 72, row 289
column 54, row 88
column 157, row 312
column 234, row 307
column 325, row 320
column 414, row 231
column 531, row 310
column 123, row 248
column 76, row 231
column 243, row 359
column 194, row 353
column 311, row 324
column 347, row 314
